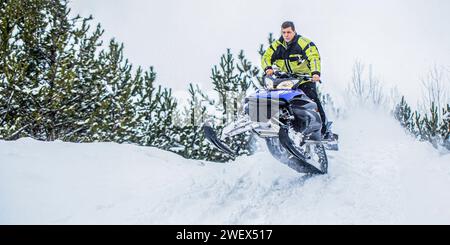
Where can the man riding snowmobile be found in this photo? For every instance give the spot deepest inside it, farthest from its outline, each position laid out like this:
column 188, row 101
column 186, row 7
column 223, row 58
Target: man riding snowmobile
column 286, row 111
column 295, row 54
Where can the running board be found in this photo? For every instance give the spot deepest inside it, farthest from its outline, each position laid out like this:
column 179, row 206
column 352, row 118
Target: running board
column 331, row 145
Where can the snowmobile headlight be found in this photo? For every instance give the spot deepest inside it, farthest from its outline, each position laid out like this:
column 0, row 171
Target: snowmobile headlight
column 286, row 85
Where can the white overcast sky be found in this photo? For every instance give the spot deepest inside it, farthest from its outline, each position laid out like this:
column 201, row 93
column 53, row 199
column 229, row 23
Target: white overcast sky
column 183, row 39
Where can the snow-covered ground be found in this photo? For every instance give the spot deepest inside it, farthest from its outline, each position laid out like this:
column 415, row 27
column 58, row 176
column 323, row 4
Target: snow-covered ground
column 380, row 176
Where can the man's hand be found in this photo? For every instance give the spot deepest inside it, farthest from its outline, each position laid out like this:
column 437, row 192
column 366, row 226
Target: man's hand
column 269, row 72
column 316, row 78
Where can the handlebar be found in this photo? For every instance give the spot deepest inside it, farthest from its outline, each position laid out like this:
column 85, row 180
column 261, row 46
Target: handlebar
column 284, row 75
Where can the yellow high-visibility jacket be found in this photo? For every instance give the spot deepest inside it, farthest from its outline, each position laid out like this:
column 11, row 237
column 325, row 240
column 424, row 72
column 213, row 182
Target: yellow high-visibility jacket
column 300, row 56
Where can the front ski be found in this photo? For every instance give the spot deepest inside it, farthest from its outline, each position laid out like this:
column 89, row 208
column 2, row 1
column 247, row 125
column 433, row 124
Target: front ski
column 211, row 136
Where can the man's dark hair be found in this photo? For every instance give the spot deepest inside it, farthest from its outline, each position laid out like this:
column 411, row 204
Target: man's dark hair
column 288, row 24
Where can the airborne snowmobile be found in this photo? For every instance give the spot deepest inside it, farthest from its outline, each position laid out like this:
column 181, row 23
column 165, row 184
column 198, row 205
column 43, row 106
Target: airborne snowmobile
column 289, row 122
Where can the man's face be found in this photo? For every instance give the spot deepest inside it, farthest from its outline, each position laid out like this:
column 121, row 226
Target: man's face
column 288, row 34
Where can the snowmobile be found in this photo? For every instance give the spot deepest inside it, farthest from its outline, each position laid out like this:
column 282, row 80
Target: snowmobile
column 287, row 120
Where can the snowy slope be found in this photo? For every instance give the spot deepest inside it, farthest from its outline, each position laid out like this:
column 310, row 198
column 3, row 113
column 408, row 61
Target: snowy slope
column 380, row 176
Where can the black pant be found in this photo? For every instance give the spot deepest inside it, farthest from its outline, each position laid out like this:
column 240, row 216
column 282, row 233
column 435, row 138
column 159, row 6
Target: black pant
column 310, row 90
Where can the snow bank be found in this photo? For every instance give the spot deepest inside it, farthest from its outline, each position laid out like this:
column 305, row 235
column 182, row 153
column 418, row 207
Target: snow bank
column 380, row 176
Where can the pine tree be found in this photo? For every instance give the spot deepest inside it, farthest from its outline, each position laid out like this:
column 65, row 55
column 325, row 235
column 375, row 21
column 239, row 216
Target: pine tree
column 192, row 143
column 113, row 117
column 431, row 124
column 428, row 127
column 418, row 127
column 34, row 63
column 261, row 52
column 58, row 82
column 231, row 82
column 445, row 127
column 146, row 105
column 404, row 115
column 155, row 112
column 86, row 89
column 164, row 126
column 270, row 40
